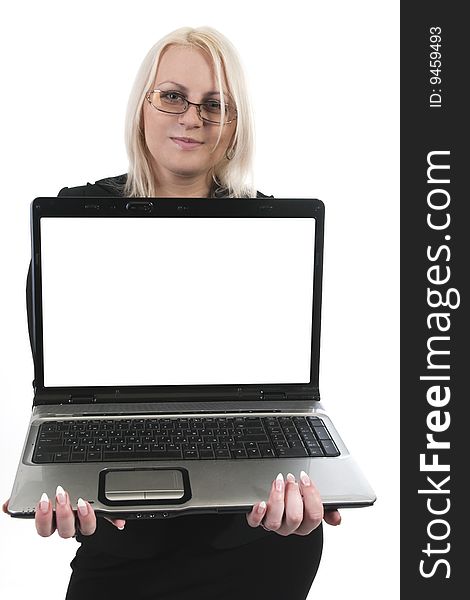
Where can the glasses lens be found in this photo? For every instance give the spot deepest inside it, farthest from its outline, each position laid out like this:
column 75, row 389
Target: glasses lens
column 174, row 102
column 212, row 111
column 169, row 102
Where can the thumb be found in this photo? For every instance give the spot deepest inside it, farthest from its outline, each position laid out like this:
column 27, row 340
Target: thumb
column 332, row 517
column 119, row 523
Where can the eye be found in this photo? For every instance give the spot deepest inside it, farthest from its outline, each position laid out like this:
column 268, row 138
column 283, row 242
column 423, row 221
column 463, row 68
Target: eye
column 172, row 97
column 213, row 106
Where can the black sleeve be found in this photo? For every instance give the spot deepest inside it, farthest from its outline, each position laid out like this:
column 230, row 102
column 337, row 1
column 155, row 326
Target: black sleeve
column 29, row 291
column 29, row 308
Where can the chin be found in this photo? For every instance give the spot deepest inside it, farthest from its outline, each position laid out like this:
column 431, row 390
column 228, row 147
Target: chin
column 188, row 168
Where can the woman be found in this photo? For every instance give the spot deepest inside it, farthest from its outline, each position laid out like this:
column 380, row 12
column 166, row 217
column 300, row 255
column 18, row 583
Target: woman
column 189, row 134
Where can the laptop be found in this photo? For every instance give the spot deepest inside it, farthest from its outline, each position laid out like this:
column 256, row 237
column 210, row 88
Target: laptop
column 176, row 350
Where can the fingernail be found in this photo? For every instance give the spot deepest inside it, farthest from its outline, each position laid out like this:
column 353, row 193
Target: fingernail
column 304, row 478
column 60, row 495
column 290, row 477
column 279, row 482
column 121, row 528
column 262, row 507
column 82, row 507
column 44, row 503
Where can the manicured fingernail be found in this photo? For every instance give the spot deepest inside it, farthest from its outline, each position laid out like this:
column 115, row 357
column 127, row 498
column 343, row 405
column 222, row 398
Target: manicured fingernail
column 44, row 503
column 304, row 478
column 82, row 507
column 279, row 482
column 121, row 528
column 290, row 477
column 60, row 494
column 262, row 507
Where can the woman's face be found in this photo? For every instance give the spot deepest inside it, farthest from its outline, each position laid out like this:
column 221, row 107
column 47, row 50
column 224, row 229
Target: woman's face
column 190, row 72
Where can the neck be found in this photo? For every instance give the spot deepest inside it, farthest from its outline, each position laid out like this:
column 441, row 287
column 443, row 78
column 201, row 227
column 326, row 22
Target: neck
column 171, row 185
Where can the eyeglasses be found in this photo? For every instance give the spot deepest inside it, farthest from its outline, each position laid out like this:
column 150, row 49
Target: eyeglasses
column 175, row 103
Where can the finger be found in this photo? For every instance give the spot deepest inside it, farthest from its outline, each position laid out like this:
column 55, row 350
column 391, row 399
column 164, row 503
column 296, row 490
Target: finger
column 119, row 523
column 65, row 519
column 275, row 508
column 256, row 515
column 332, row 517
column 5, row 506
column 313, row 506
column 86, row 517
column 43, row 517
column 294, row 507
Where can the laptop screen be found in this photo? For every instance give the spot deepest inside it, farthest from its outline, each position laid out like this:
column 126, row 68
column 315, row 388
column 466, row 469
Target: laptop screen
column 176, row 301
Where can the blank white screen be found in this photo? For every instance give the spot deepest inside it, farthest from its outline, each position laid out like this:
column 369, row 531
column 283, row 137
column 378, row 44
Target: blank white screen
column 176, row 301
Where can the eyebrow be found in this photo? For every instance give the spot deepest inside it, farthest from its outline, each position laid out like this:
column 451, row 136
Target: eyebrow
column 185, row 89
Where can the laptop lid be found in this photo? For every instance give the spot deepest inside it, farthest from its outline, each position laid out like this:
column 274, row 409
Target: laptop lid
column 161, row 299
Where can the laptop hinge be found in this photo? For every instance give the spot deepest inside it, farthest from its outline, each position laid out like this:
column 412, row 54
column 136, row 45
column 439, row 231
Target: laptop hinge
column 82, row 399
column 275, row 396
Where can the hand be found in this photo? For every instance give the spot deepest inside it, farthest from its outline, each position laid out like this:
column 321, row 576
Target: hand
column 292, row 508
column 65, row 519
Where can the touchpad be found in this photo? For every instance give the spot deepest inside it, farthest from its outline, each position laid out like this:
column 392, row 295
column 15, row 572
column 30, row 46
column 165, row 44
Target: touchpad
column 144, row 484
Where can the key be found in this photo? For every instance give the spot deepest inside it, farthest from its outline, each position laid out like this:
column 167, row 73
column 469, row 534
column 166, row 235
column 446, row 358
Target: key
column 310, row 438
column 295, row 444
column 118, row 456
column 266, row 451
column 161, row 454
column 94, row 456
column 204, row 454
column 315, row 451
column 313, row 444
column 291, row 452
column 77, row 456
column 239, row 453
column 322, row 433
column 190, row 454
column 329, row 448
column 43, row 457
column 278, row 444
column 50, row 448
column 48, row 426
column 222, row 453
column 50, row 435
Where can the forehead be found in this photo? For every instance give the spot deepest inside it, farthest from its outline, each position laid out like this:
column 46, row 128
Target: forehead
column 190, row 67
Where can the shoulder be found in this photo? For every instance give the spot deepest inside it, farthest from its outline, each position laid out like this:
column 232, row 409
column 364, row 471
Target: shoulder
column 114, row 186
column 109, row 186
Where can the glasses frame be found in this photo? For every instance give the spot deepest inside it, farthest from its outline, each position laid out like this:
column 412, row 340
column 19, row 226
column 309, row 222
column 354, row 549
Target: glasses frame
column 188, row 104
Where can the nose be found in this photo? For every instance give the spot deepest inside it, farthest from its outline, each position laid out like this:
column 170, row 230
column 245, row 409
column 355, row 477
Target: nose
column 191, row 117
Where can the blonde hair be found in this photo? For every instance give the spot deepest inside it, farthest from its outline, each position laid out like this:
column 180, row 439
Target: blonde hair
column 234, row 175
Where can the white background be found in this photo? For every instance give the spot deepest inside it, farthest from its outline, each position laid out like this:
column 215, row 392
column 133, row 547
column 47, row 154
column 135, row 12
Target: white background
column 67, row 70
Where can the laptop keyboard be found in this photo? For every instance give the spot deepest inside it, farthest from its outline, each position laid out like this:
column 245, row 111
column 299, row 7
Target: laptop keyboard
column 176, row 438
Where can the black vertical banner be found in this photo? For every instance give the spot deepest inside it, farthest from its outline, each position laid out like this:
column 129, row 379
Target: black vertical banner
column 435, row 268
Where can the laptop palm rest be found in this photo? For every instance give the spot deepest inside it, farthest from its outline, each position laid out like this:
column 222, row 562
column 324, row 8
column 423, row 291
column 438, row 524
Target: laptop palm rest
column 144, row 484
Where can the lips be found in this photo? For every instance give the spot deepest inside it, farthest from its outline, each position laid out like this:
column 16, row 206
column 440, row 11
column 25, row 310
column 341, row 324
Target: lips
column 186, row 143
column 187, row 139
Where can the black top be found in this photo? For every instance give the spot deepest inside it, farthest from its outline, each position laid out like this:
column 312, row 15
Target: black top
column 141, row 539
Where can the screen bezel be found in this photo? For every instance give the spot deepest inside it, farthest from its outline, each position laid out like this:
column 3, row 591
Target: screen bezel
column 118, row 207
